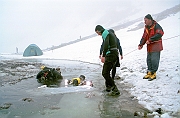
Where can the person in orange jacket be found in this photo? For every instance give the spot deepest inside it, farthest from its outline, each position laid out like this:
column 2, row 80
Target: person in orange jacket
column 152, row 36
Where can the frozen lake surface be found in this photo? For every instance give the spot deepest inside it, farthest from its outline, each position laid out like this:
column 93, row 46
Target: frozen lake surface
column 29, row 99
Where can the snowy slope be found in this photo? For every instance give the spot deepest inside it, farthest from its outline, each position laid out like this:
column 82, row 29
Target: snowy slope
column 160, row 93
column 163, row 92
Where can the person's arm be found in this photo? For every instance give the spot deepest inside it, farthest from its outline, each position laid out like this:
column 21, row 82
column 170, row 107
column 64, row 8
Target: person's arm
column 119, row 47
column 39, row 75
column 105, row 47
column 143, row 40
column 101, row 49
column 158, row 33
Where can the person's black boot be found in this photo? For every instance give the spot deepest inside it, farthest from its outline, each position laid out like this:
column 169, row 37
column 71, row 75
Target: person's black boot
column 114, row 92
column 108, row 89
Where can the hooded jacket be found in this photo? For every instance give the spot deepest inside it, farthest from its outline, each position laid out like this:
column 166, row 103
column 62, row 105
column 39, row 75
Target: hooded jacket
column 153, row 33
column 109, row 43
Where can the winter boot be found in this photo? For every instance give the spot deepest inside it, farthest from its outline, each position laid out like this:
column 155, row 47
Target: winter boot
column 148, row 75
column 153, row 76
column 108, row 89
column 114, row 92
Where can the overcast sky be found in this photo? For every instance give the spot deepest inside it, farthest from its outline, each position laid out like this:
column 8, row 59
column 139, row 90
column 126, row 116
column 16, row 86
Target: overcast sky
column 52, row 22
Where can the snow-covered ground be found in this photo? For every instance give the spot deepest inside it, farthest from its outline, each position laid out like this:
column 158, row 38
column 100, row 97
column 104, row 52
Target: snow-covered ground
column 164, row 92
column 160, row 93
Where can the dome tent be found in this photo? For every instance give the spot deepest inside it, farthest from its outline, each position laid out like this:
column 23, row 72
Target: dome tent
column 32, row 50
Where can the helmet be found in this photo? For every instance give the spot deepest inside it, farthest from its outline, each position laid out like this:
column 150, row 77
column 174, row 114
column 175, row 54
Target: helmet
column 42, row 67
column 82, row 77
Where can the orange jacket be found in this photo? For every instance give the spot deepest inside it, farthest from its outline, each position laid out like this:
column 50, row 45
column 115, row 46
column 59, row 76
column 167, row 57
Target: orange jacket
column 153, row 33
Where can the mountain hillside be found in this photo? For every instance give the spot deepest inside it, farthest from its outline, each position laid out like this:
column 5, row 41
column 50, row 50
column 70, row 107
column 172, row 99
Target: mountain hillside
column 50, row 23
column 158, row 17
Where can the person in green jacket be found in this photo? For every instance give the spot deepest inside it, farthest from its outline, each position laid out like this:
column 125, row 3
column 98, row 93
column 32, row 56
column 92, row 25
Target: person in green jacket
column 109, row 58
column 120, row 52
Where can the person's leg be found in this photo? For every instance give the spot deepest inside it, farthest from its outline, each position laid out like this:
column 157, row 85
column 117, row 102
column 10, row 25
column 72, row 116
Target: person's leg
column 155, row 57
column 106, row 74
column 149, row 64
column 108, row 65
column 155, row 61
column 113, row 72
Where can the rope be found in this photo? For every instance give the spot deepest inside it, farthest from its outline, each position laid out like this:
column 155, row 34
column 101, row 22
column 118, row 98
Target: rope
column 130, row 52
column 163, row 39
column 171, row 37
column 96, row 69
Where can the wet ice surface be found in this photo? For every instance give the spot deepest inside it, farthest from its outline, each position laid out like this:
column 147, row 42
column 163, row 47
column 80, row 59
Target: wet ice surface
column 29, row 99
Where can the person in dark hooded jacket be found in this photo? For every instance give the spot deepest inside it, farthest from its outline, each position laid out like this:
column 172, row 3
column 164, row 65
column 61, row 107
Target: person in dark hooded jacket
column 109, row 58
column 120, row 52
column 48, row 74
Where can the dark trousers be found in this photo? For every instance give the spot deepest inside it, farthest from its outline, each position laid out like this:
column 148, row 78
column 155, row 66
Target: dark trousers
column 117, row 64
column 153, row 61
column 110, row 61
column 113, row 72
